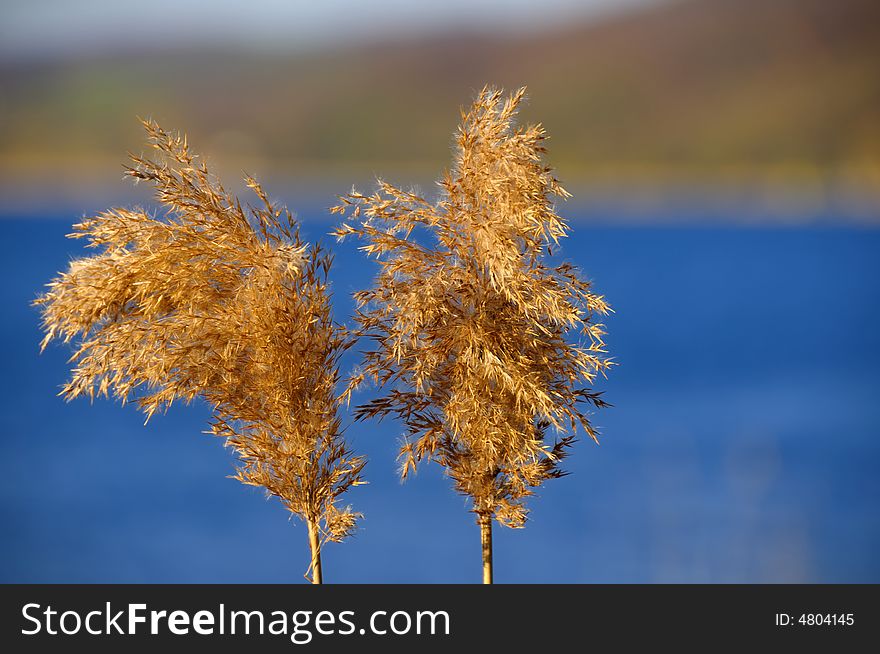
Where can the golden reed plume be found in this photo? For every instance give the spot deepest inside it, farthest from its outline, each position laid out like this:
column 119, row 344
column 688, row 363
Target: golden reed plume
column 224, row 303
column 471, row 327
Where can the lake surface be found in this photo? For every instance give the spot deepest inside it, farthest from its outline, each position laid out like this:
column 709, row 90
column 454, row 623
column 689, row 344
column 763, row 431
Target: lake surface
column 743, row 445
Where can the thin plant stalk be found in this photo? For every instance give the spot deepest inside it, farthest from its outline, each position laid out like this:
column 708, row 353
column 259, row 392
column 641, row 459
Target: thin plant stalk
column 486, row 545
column 315, row 549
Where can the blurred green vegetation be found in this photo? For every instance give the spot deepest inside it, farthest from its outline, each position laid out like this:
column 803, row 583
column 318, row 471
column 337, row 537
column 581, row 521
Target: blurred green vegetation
column 699, row 88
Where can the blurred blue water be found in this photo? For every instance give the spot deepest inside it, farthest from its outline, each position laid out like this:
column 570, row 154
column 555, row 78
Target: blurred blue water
column 743, row 445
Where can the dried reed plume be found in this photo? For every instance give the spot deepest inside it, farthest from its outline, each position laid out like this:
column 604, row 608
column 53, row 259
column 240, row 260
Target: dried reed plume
column 224, row 303
column 471, row 328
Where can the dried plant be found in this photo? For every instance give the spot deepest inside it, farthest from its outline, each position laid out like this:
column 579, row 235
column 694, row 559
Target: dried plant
column 224, row 303
column 471, row 327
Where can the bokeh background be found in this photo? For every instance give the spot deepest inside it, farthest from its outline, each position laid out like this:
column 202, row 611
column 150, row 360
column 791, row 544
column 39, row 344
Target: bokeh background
column 725, row 161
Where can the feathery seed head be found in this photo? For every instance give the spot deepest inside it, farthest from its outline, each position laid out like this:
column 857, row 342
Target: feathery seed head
column 216, row 301
column 472, row 332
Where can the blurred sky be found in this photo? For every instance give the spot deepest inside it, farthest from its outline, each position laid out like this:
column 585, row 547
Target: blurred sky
column 50, row 28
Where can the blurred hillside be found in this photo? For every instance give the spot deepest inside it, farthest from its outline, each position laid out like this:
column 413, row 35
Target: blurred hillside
column 717, row 92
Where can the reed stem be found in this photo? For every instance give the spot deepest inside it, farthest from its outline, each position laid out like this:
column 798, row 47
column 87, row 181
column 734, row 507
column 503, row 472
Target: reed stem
column 486, row 542
column 315, row 547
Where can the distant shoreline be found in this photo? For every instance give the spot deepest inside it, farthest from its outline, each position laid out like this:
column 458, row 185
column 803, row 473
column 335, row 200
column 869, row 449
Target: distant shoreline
column 736, row 200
